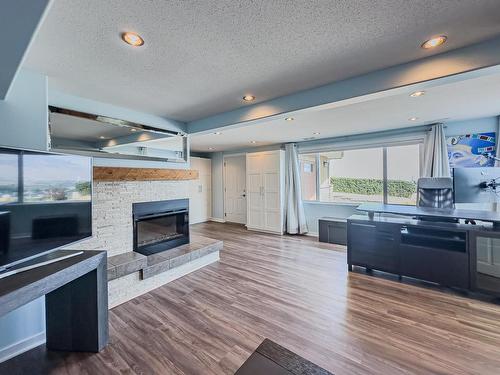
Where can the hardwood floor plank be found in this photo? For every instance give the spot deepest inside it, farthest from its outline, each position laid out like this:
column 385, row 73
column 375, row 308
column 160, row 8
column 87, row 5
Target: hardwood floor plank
column 298, row 293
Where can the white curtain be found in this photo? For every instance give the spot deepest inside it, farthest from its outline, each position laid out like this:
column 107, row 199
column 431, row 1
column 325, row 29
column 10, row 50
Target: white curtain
column 295, row 219
column 436, row 162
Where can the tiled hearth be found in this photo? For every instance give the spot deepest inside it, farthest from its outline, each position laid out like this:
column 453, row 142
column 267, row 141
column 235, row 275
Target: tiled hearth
column 132, row 274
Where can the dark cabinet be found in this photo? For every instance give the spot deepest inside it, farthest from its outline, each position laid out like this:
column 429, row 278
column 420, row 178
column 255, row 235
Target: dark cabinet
column 373, row 246
column 333, row 230
column 485, row 261
column 436, row 265
column 409, row 248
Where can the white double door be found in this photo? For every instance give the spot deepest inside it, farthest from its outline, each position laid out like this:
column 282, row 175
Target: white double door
column 200, row 202
column 264, row 191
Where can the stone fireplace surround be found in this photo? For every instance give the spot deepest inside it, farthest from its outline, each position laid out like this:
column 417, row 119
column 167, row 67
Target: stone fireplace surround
column 112, row 228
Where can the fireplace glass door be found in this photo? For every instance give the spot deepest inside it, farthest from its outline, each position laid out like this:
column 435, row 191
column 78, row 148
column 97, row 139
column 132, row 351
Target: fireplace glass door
column 162, row 232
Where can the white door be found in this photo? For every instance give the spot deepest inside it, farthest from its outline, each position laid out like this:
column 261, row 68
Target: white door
column 200, row 202
column 235, row 202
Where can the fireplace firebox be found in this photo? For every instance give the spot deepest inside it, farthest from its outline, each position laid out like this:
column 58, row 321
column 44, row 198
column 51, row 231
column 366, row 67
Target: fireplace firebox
column 161, row 225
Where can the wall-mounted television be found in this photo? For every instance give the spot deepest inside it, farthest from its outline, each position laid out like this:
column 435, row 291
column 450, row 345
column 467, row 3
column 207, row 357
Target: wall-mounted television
column 45, row 203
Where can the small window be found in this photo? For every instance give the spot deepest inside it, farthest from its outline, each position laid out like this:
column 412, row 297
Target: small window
column 308, row 176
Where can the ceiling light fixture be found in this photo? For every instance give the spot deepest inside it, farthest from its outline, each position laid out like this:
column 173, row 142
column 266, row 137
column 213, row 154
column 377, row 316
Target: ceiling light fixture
column 133, row 129
column 416, row 94
column 217, row 133
column 253, row 141
column 249, row 98
column 289, row 119
column 434, row 42
column 133, row 39
column 102, row 137
column 211, row 148
column 413, row 118
column 316, row 133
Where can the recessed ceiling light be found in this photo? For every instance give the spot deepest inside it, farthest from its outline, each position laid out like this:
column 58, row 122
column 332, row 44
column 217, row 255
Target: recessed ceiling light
column 249, row 98
column 416, row 94
column 102, row 137
column 413, row 118
column 434, row 42
column 217, row 133
column 133, row 39
column 133, row 129
column 316, row 133
column 211, row 148
column 253, row 141
column 289, row 119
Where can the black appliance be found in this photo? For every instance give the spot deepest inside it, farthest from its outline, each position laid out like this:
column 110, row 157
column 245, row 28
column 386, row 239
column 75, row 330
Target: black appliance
column 160, row 225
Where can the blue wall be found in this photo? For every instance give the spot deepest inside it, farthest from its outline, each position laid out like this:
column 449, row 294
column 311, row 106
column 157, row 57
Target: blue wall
column 23, row 119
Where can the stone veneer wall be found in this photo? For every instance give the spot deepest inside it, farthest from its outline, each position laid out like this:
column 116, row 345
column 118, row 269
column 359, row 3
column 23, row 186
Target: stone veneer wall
column 112, row 231
column 112, row 211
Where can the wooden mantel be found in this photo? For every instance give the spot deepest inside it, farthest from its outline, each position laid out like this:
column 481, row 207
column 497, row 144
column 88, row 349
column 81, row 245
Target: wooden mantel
column 143, row 174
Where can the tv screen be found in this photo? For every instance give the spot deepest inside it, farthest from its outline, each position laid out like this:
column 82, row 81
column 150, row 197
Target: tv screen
column 45, row 202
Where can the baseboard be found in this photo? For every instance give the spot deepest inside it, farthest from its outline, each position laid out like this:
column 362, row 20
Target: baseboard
column 217, row 220
column 22, row 346
column 312, row 234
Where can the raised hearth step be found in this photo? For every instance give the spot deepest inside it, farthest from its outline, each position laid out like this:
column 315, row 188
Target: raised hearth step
column 168, row 259
column 125, row 264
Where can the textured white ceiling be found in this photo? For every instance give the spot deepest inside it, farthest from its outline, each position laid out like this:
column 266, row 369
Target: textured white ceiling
column 200, row 57
column 466, row 99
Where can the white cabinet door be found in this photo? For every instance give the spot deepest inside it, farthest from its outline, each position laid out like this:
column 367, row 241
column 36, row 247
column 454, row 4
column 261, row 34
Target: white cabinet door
column 265, row 185
column 254, row 191
column 200, row 203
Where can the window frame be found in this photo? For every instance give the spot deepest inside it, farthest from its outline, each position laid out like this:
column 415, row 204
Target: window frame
column 317, row 153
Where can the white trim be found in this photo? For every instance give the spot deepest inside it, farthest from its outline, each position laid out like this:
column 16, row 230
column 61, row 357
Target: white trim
column 22, row 346
column 396, row 137
column 264, row 230
column 312, row 234
column 216, row 219
column 347, row 204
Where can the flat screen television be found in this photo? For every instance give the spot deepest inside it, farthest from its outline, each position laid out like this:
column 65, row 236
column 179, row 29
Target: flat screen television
column 45, row 203
column 476, row 185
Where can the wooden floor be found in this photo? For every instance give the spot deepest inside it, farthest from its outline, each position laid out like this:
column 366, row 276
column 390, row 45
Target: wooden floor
column 298, row 293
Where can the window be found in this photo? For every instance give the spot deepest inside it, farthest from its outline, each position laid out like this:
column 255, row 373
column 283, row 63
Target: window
column 28, row 177
column 381, row 174
column 308, row 176
column 403, row 171
column 9, row 184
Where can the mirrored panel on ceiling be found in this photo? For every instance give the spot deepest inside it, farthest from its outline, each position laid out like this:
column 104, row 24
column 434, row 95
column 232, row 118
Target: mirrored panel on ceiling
column 88, row 134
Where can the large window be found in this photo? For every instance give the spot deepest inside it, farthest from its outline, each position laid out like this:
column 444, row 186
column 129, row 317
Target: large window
column 381, row 174
column 30, row 177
